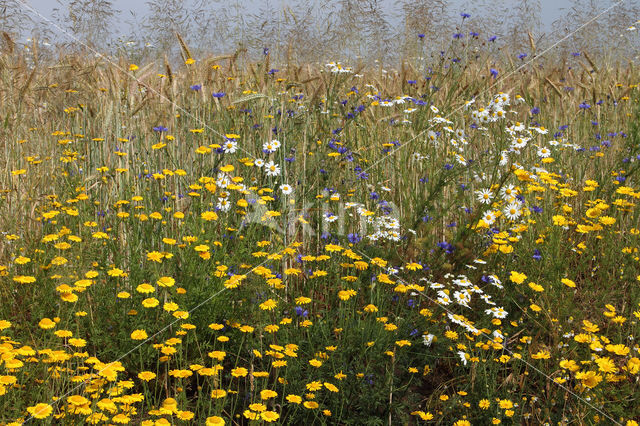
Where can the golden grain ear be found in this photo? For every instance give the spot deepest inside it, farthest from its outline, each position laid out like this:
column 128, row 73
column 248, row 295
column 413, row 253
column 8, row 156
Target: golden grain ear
column 168, row 68
column 9, row 43
column 184, row 49
column 532, row 43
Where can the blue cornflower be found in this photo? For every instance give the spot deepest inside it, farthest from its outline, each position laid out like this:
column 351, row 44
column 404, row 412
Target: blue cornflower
column 537, row 255
column 494, row 72
column 584, row 105
column 160, row 129
column 218, row 94
column 535, row 110
column 522, row 56
column 493, row 38
column 421, row 36
column 196, row 87
column 458, row 35
column 465, row 15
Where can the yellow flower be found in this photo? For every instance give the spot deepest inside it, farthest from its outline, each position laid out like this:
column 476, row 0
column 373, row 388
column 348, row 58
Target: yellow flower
column 239, row 372
column 214, row 421
column 311, row 405
column 536, row 287
column 633, row 365
column 218, row 393
column 370, row 308
column 133, row 67
column 331, row 387
column 170, row 306
column 560, row 220
column 250, row 415
column 267, row 394
column 450, row 334
column 517, row 277
column 268, row 305
column 63, row 333
column 541, row 355
column 569, row 365
column 24, row 279
column 185, row 415
column 589, row 379
column 607, row 220
column 155, row 256
column 208, row 216
column 294, row 399
column 590, row 327
column 151, row 302
column 145, row 288
column 21, row 260
column 115, row 272
column 606, row 365
column 146, row 375
column 257, row 407
column 269, row 416
column 166, row 282
column 568, row 282
column 346, row 294
column 77, row 400
column 484, row 404
column 422, row 415
column 315, row 363
column 139, row 335
column 314, row 386
column 40, row 411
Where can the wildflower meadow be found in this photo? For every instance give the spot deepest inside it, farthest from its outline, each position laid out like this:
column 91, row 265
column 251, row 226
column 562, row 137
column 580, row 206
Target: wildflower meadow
column 225, row 239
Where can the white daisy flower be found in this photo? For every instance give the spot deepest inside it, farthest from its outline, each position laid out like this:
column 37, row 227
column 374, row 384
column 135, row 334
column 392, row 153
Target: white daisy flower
column 432, row 136
column 272, row 169
column 489, row 218
column 504, row 158
column 484, row 196
column 519, row 143
column 508, row 192
column 330, row 217
column 463, row 357
column 223, row 204
column 230, row 147
column 286, row 189
column 544, row 152
column 512, row 211
column 269, row 147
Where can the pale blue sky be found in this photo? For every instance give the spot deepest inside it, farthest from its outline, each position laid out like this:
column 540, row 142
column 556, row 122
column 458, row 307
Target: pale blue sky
column 551, row 9
column 132, row 11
